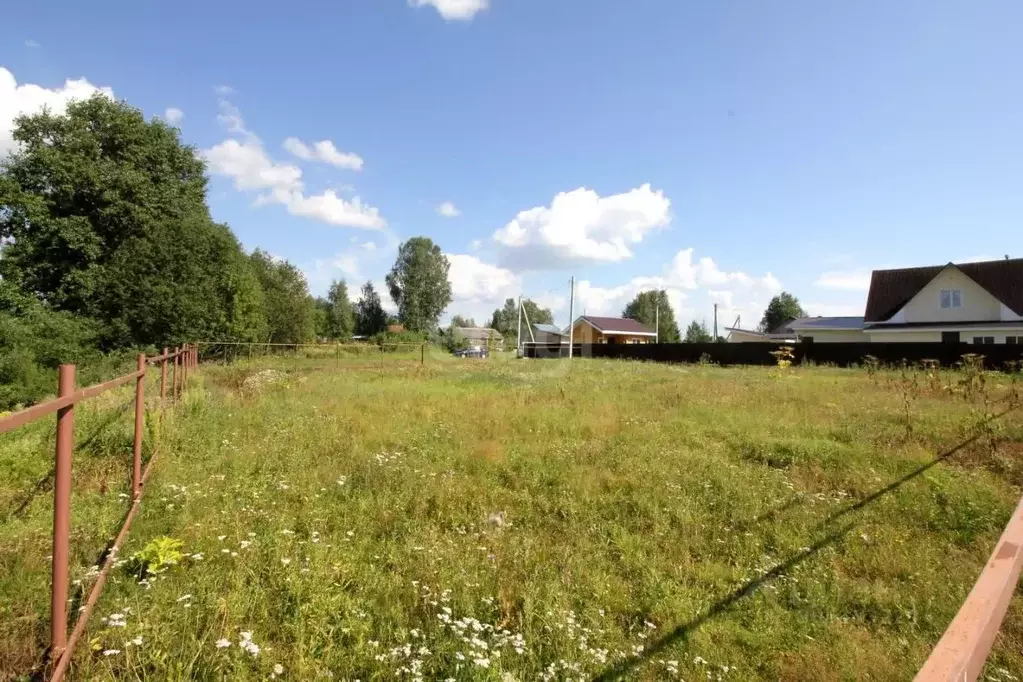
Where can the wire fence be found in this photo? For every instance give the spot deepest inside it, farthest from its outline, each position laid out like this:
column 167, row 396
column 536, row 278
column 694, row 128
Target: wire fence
column 179, row 363
column 339, row 353
column 959, row 655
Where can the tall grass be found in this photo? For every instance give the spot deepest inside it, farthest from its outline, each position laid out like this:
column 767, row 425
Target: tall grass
column 534, row 520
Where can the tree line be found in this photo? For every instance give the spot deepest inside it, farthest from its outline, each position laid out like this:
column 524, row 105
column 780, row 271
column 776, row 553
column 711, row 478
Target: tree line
column 107, row 244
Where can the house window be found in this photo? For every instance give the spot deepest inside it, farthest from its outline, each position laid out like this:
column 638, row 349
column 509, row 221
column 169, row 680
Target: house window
column 983, row 340
column 951, row 298
column 1014, row 340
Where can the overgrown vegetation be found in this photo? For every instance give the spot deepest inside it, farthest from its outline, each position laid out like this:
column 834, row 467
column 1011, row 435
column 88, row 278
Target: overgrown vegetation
column 107, row 245
column 533, row 520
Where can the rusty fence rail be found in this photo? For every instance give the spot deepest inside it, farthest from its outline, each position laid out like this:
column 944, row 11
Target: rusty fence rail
column 961, row 653
column 181, row 361
column 959, row 656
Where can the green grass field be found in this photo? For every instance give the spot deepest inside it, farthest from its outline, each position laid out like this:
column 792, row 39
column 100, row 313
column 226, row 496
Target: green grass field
column 522, row 520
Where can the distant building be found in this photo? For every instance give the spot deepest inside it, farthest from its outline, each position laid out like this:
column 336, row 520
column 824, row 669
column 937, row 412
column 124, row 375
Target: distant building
column 549, row 333
column 480, row 337
column 822, row 329
column 979, row 303
column 589, row 329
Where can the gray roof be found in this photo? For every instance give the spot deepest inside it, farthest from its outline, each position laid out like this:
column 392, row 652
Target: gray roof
column 851, row 323
column 548, row 328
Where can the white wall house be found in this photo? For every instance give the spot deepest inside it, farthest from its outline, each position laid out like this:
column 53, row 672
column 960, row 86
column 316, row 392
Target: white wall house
column 979, row 303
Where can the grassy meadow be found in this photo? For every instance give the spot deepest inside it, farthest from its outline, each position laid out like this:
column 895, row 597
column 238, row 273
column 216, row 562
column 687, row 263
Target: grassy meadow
column 377, row 519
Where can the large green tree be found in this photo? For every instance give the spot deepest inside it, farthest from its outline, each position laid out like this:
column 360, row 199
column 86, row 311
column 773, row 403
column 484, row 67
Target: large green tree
column 697, row 332
column 506, row 319
column 321, row 318
column 341, row 313
column 103, row 215
column 783, row 308
column 644, row 308
column 370, row 317
column 245, row 303
column 459, row 321
column 290, row 310
column 418, row 284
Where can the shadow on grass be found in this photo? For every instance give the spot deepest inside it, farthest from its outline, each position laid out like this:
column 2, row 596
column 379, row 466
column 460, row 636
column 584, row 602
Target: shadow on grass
column 681, row 632
column 898, row 483
column 45, row 484
column 770, row 514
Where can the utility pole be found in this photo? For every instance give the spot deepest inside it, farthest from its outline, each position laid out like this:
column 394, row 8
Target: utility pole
column 657, row 322
column 715, row 322
column 518, row 338
column 571, row 318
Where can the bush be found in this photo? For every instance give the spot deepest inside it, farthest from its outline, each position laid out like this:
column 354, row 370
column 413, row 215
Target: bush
column 400, row 337
column 34, row 342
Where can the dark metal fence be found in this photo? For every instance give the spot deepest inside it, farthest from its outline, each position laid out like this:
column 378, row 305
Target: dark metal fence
column 181, row 361
column 839, row 354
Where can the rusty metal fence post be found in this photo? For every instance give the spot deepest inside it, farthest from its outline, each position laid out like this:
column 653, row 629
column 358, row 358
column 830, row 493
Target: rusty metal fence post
column 136, row 453
column 174, row 375
column 62, row 512
column 163, row 379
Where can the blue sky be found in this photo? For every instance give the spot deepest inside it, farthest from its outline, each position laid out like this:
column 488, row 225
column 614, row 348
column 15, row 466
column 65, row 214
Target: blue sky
column 721, row 150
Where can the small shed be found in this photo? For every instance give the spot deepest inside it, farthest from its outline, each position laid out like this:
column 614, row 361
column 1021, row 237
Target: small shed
column 549, row 333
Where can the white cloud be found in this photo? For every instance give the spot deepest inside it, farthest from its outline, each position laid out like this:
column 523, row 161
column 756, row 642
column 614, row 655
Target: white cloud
column 330, row 208
column 610, row 301
column 231, row 118
column 16, row 100
column 692, row 289
column 476, row 244
column 448, row 210
column 454, row 10
column 32, row 44
column 361, row 259
column 853, row 280
column 324, row 151
column 224, row 90
column 724, row 299
column 580, row 226
column 347, row 265
column 478, row 288
column 472, row 280
column 250, row 168
column 173, row 115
